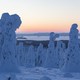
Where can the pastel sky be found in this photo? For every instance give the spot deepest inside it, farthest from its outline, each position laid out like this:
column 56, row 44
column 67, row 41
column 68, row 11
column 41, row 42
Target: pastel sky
column 44, row 15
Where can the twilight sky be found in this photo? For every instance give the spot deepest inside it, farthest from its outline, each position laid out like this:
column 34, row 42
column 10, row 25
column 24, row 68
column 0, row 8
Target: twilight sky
column 44, row 15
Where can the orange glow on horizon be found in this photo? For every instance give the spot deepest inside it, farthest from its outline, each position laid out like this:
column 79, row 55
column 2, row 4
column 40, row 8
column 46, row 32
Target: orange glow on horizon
column 44, row 28
column 48, row 27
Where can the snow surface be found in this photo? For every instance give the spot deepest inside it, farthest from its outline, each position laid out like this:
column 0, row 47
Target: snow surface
column 38, row 72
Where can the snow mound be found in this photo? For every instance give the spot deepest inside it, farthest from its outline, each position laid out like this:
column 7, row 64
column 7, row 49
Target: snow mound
column 68, row 75
column 12, row 77
column 45, row 78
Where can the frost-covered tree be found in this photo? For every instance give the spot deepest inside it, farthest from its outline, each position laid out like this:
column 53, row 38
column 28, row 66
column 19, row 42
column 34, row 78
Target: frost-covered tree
column 9, row 25
column 44, row 56
column 1, row 38
column 51, row 56
column 20, row 54
column 30, row 60
column 1, row 43
column 60, row 50
column 39, row 55
column 72, row 62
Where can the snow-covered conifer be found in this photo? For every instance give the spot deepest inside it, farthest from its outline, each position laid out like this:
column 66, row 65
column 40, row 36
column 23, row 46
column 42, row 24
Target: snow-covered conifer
column 60, row 50
column 30, row 60
column 39, row 55
column 9, row 25
column 51, row 55
column 20, row 54
column 72, row 61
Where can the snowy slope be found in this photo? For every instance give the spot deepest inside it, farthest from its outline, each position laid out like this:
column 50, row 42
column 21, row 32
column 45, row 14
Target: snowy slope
column 39, row 72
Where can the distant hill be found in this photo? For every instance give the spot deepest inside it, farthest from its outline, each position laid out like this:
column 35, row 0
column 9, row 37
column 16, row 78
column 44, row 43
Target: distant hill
column 40, row 34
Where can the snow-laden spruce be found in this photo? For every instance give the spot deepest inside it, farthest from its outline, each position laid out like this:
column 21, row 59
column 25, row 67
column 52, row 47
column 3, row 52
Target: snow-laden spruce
column 39, row 55
column 60, row 50
column 1, row 42
column 20, row 54
column 30, row 60
column 9, row 24
column 51, row 58
column 72, row 62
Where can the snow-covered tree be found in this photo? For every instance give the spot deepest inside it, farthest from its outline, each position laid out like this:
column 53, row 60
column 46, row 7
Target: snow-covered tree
column 39, row 55
column 9, row 25
column 72, row 61
column 30, row 60
column 20, row 54
column 1, row 42
column 51, row 56
column 60, row 50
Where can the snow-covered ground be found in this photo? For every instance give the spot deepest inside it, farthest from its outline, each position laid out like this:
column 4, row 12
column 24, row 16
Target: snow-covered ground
column 39, row 72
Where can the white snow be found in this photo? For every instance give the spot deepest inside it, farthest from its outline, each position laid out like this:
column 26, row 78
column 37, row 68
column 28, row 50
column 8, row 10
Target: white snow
column 38, row 73
column 45, row 78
